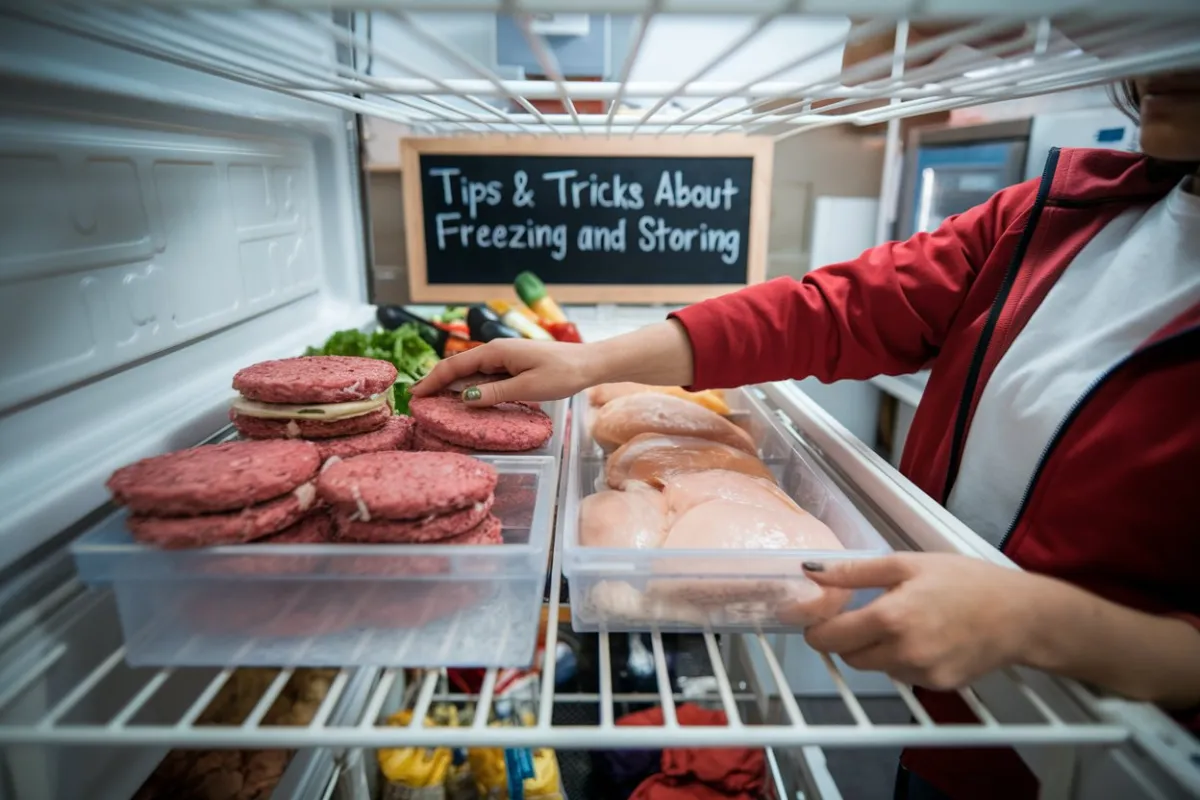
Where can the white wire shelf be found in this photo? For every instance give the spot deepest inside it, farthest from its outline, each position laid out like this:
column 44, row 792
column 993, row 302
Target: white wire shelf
column 69, row 718
column 924, row 70
column 64, row 681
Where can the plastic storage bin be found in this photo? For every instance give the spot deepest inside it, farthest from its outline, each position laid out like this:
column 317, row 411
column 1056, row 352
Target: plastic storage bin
column 337, row 604
column 557, row 411
column 617, row 590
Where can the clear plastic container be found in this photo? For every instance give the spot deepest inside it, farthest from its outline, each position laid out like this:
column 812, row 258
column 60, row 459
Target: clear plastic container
column 625, row 589
column 557, row 411
column 337, row 604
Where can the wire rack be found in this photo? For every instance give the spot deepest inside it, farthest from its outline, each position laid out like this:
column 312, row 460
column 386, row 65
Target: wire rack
column 906, row 69
column 68, row 719
column 64, row 680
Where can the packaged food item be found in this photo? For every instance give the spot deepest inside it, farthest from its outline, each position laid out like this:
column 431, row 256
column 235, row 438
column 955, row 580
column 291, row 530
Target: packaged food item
column 239, row 774
column 426, row 773
column 496, row 771
column 533, row 293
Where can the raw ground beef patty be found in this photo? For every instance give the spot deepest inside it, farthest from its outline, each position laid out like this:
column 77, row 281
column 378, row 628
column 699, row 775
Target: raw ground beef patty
column 433, row 529
column 315, row 379
column 406, row 486
column 396, row 434
column 229, row 527
column 214, row 478
column 486, row 532
column 316, row 528
column 258, row 428
column 426, row 441
column 507, row 427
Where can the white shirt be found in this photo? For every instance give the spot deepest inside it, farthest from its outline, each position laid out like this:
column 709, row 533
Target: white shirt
column 1136, row 275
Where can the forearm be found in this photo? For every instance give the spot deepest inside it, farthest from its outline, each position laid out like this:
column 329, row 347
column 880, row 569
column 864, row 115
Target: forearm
column 1140, row 656
column 660, row 355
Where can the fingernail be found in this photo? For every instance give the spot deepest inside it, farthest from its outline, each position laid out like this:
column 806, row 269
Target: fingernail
column 472, row 394
column 813, row 566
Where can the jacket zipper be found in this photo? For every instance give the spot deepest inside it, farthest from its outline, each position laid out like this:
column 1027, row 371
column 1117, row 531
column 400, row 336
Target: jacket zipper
column 1073, row 413
column 1010, row 277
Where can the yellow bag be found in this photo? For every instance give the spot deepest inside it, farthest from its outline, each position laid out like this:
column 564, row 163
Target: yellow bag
column 491, row 775
column 414, row 767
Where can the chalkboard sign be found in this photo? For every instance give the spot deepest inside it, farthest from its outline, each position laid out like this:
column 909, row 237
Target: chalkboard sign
column 599, row 220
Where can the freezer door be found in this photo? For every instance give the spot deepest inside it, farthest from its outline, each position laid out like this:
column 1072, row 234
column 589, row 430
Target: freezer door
column 161, row 228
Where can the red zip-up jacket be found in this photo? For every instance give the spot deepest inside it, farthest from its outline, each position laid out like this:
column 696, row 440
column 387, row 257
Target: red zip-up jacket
column 1111, row 505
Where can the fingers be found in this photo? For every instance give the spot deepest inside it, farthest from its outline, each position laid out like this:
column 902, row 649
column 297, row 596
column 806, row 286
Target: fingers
column 529, row 385
column 478, row 359
column 846, row 633
column 880, row 657
column 860, row 573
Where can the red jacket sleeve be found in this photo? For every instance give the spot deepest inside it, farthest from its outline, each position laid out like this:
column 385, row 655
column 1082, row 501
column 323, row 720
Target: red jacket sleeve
column 885, row 312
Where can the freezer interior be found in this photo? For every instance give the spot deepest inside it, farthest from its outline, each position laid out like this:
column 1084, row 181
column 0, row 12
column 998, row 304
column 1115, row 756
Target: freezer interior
column 181, row 196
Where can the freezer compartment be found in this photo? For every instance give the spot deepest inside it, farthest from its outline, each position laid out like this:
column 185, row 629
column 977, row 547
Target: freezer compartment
column 619, row 589
column 336, row 604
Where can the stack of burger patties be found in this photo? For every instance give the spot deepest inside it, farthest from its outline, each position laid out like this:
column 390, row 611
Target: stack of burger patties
column 224, row 494
column 445, row 424
column 414, row 497
column 343, row 404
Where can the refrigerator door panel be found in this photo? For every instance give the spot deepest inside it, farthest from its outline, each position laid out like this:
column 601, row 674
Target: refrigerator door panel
column 161, row 228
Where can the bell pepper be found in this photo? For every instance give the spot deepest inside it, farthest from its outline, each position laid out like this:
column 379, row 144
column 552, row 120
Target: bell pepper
column 563, row 331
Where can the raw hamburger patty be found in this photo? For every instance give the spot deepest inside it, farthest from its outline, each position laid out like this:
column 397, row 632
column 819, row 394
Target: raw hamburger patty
column 316, row 528
column 406, row 486
column 396, row 434
column 486, row 532
column 231, row 527
column 426, row 441
column 315, row 379
column 442, row 526
column 215, row 477
column 257, row 428
column 508, row 427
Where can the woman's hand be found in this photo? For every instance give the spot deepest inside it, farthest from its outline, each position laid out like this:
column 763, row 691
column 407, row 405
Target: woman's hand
column 944, row 621
column 660, row 354
column 539, row 370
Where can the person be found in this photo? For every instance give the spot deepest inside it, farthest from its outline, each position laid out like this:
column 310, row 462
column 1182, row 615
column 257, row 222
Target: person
column 1061, row 319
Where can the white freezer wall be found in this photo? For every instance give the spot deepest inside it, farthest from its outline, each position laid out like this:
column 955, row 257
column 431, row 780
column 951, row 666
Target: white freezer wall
column 159, row 227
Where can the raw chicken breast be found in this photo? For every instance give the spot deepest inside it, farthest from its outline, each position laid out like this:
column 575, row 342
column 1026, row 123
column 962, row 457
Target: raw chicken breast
column 684, row 492
column 726, row 524
column 636, row 517
column 618, row 600
column 624, row 418
column 655, row 459
column 606, row 393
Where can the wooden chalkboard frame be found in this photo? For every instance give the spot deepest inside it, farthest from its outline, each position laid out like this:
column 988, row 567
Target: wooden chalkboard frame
column 760, row 149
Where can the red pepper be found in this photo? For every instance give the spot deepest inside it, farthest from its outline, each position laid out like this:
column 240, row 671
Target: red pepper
column 457, row 344
column 562, row 331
